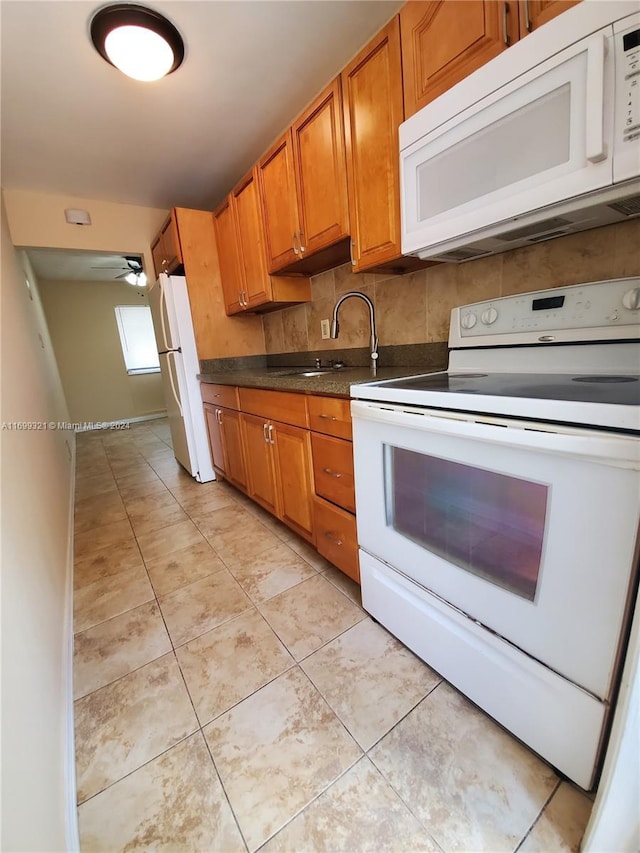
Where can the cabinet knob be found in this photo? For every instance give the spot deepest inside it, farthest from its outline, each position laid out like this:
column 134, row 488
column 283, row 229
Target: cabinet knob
column 332, row 538
column 302, row 246
column 327, row 417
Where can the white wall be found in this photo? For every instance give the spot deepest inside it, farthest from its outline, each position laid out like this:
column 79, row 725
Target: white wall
column 38, row 786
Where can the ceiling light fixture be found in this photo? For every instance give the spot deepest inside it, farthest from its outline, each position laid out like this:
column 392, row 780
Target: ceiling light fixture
column 137, row 279
column 136, row 40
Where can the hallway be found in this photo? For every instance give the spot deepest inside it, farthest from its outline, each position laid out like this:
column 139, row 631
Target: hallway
column 232, row 695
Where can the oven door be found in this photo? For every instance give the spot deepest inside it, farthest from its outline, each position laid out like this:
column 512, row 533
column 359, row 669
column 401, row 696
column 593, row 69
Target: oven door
column 530, row 532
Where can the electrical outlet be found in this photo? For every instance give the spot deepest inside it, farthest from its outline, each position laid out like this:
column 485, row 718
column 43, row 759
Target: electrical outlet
column 324, row 329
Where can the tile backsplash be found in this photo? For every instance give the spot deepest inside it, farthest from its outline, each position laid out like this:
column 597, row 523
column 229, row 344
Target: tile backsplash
column 416, row 308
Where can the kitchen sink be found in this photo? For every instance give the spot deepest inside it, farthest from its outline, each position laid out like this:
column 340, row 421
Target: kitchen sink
column 315, row 371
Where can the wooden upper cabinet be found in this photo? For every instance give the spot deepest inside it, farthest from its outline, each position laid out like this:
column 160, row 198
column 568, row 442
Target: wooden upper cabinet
column 535, row 13
column 321, row 181
column 229, row 256
column 248, row 216
column 165, row 249
column 445, row 41
column 277, row 180
column 373, row 111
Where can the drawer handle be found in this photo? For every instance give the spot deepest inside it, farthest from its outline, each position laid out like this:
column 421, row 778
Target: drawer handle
column 331, row 473
column 328, row 417
column 332, row 538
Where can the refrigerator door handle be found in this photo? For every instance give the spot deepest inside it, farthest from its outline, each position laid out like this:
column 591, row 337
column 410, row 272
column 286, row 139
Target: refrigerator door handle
column 173, row 386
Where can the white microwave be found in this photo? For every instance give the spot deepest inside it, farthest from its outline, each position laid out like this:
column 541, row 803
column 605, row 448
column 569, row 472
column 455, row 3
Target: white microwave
column 542, row 141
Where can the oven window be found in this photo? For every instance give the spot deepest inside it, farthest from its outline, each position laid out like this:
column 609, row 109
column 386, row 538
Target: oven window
column 489, row 524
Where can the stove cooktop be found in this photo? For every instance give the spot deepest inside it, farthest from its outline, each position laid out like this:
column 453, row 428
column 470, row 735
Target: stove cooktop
column 613, row 389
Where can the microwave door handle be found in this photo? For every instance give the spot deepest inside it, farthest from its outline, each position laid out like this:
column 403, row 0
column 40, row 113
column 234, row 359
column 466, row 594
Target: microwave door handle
column 595, row 145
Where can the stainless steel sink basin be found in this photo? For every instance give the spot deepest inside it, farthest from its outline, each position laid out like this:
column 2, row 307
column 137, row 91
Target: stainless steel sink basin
column 315, row 371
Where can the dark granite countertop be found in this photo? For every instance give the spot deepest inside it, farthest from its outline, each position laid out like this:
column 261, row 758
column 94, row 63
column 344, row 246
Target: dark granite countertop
column 336, row 383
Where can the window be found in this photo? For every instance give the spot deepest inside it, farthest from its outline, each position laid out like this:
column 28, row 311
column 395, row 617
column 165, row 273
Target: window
column 137, row 338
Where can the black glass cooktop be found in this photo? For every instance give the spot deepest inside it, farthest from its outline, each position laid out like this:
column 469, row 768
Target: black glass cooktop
column 610, row 389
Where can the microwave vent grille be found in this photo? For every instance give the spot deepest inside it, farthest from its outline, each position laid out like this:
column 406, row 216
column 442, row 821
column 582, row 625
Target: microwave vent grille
column 628, row 206
column 465, row 254
column 536, row 229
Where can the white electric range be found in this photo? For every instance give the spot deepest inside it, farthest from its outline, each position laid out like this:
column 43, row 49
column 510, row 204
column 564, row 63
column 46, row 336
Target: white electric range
column 499, row 507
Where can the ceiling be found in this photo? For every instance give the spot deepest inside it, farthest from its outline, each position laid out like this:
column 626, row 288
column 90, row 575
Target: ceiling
column 72, row 124
column 68, row 265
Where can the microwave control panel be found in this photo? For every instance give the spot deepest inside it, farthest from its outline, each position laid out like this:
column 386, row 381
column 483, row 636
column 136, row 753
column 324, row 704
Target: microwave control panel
column 597, row 310
column 627, row 117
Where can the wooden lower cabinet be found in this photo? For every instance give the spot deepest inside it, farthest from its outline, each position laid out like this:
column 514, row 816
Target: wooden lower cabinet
column 280, row 471
column 336, row 537
column 292, row 451
column 263, row 486
column 225, row 440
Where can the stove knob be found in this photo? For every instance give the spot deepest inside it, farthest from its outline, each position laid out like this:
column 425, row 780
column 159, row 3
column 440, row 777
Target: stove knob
column 631, row 299
column 489, row 316
column 469, row 320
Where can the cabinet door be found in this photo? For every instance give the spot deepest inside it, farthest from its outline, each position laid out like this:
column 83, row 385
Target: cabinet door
column 248, row 215
column 443, row 42
column 535, row 13
column 229, row 257
column 372, row 100
column 321, row 181
column 276, row 175
column 260, row 468
column 214, row 431
column 234, row 459
column 292, row 449
column 171, row 245
column 157, row 253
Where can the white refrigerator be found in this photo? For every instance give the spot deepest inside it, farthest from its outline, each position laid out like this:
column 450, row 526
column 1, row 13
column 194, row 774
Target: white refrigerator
column 179, row 365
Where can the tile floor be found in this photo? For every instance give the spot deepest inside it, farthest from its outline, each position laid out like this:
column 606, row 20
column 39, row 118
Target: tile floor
column 232, row 695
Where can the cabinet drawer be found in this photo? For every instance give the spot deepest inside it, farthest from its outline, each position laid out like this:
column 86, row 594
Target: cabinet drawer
column 331, row 415
column 336, row 537
column 275, row 405
column 220, row 395
column 333, row 470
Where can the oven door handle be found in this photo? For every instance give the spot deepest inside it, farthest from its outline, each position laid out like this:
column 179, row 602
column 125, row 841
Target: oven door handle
column 608, row 449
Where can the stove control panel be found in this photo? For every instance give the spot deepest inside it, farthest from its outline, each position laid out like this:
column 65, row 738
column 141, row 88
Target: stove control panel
column 600, row 310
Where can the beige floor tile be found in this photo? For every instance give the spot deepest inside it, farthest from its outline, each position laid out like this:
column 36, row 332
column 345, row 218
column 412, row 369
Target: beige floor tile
column 108, row 597
column 209, row 501
column 97, row 511
column 110, row 650
column 309, row 615
column 469, row 782
column 276, row 751
column 97, row 484
column 359, row 812
column 231, row 662
column 239, row 546
column 107, row 562
column 271, row 572
column 174, row 803
column 171, row 538
column 133, row 492
column 201, row 606
column 229, row 520
column 158, row 518
column 127, row 723
column 183, row 567
column 370, row 680
column 562, row 824
column 128, row 464
column 135, row 475
column 86, row 544
column 142, row 505
column 308, row 553
column 344, row 583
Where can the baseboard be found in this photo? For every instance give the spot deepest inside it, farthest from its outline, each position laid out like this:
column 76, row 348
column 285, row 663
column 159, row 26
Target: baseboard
column 71, row 815
column 87, row 426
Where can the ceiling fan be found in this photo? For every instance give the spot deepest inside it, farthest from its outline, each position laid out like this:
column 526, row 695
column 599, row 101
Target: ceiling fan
column 132, row 273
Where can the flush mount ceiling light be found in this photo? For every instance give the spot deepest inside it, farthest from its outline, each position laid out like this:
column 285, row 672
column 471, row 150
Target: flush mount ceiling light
column 136, row 40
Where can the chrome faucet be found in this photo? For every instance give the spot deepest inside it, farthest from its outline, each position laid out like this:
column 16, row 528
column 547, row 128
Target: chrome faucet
column 335, row 326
